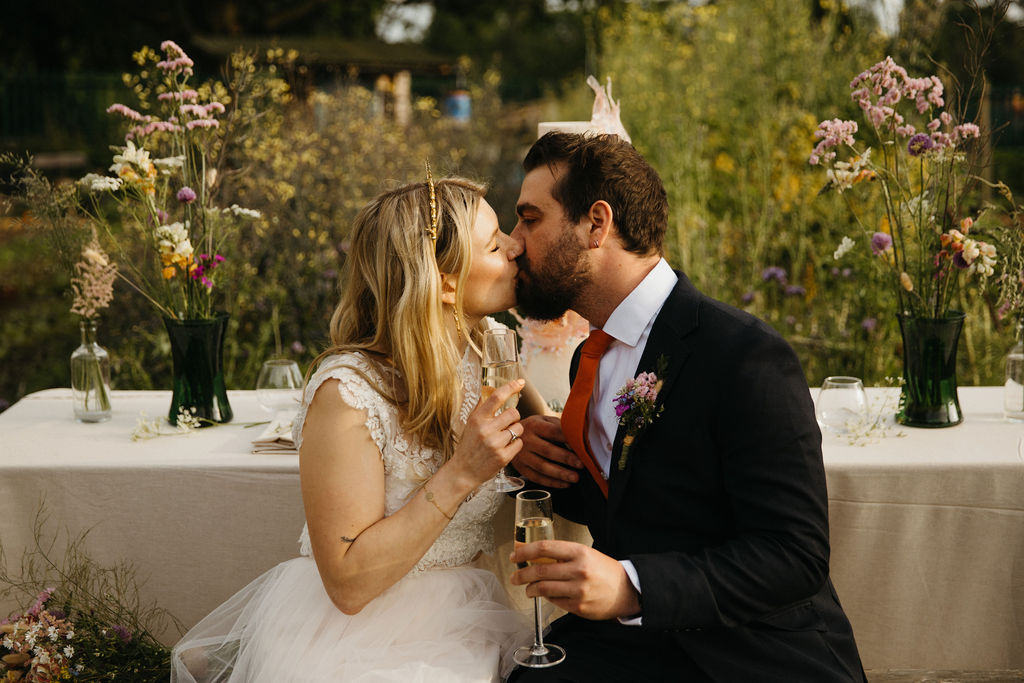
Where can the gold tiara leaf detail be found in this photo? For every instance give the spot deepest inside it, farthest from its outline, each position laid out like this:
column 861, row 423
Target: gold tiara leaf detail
column 432, row 229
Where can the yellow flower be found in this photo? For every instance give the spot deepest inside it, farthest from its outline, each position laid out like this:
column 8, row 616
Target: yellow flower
column 907, row 283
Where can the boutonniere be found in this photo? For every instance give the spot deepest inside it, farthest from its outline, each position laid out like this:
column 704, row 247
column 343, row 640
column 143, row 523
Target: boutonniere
column 636, row 405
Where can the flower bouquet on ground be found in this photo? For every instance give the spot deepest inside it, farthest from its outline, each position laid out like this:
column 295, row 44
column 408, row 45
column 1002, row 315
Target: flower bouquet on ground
column 83, row 622
column 911, row 185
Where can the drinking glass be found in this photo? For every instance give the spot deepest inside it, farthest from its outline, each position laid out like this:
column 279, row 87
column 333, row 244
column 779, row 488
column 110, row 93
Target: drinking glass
column 500, row 366
column 842, row 405
column 534, row 523
column 279, row 387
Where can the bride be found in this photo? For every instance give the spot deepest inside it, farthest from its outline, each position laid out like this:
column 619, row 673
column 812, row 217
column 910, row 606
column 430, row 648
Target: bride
column 394, row 445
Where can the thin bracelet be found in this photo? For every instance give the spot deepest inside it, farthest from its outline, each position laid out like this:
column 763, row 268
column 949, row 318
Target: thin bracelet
column 429, row 495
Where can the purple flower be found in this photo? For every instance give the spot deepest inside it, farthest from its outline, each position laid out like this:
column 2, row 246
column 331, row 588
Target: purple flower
column 620, row 409
column 880, row 243
column 868, row 324
column 186, row 195
column 959, row 261
column 795, row 290
column 774, row 273
column 123, row 633
column 747, row 298
column 847, row 273
column 919, row 144
column 298, row 347
column 790, row 320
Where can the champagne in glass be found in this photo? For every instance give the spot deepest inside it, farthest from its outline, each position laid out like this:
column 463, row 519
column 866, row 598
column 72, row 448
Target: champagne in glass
column 532, row 529
column 533, row 523
column 501, row 365
column 499, row 374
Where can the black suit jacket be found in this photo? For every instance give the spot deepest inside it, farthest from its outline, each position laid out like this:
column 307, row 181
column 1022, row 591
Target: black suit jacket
column 722, row 506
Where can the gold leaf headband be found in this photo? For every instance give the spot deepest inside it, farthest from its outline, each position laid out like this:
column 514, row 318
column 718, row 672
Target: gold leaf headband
column 432, row 229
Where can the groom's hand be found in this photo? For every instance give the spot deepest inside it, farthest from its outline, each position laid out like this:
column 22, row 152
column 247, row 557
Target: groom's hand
column 581, row 580
column 544, row 458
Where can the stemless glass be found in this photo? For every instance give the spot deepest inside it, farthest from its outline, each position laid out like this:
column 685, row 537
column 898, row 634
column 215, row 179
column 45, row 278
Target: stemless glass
column 842, row 405
column 279, row 387
column 500, row 366
column 534, row 523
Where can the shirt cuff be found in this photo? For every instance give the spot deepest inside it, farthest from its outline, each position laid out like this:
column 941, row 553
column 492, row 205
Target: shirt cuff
column 634, row 579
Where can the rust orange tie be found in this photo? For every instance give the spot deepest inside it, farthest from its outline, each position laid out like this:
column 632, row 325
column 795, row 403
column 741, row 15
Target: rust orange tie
column 574, row 415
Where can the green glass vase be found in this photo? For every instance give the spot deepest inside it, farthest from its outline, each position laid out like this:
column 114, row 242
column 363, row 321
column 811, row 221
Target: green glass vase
column 929, row 394
column 197, row 352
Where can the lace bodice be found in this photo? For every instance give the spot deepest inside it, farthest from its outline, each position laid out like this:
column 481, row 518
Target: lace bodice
column 408, row 464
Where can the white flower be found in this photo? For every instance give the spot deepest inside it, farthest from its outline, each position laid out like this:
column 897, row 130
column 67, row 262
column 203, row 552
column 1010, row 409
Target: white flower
column 69, row 652
column 93, row 182
column 94, row 256
column 984, row 261
column 52, row 632
column 131, row 156
column 168, row 164
column 240, row 211
column 173, row 239
column 844, row 247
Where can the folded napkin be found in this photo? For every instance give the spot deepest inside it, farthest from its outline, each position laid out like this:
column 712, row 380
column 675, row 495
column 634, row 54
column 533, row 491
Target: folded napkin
column 277, row 437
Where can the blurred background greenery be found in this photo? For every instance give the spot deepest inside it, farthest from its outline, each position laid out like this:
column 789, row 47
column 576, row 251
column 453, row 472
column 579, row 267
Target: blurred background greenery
column 722, row 97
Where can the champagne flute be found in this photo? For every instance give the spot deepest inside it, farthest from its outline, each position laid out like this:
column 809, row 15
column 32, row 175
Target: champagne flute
column 534, row 523
column 279, row 387
column 500, row 365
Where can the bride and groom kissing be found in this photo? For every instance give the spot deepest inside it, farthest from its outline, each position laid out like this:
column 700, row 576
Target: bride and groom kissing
column 709, row 515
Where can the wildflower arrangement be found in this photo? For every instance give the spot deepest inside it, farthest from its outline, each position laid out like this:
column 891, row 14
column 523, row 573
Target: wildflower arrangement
column 164, row 181
column 636, row 406
column 84, row 625
column 918, row 158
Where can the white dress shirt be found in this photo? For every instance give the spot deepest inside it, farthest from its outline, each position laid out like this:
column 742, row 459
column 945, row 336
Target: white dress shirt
column 629, row 326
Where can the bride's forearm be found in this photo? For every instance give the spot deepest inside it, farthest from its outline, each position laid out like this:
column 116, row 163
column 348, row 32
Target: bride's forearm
column 363, row 567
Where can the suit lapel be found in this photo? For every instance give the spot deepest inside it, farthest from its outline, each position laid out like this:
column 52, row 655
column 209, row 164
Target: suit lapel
column 676, row 320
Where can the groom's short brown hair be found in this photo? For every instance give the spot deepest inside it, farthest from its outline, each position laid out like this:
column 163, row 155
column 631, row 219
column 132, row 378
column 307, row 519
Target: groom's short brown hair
column 609, row 168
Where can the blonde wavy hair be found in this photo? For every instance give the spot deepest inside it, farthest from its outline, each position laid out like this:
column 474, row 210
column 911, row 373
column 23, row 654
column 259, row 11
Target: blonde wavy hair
column 391, row 309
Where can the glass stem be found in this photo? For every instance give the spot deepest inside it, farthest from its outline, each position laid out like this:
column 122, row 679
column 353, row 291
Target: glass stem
column 538, row 630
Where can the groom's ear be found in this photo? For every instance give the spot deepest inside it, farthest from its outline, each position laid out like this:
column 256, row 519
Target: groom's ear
column 448, row 288
column 601, row 219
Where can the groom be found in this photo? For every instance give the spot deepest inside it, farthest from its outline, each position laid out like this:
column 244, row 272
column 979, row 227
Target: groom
column 710, row 554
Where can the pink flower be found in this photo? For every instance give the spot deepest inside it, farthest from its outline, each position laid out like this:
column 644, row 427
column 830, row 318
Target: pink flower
column 126, row 112
column 186, row 195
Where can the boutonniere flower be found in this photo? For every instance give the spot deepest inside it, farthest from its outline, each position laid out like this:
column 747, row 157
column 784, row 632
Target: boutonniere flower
column 636, row 405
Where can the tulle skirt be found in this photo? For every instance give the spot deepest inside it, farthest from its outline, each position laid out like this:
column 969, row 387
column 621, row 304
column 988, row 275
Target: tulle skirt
column 447, row 625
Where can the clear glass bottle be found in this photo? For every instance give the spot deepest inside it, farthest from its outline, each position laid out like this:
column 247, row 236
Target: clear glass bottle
column 90, row 377
column 1013, row 388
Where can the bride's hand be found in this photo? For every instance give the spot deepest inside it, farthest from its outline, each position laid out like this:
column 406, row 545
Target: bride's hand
column 489, row 440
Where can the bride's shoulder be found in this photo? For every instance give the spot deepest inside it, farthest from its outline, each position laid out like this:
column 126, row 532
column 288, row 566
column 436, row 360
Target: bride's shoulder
column 360, row 377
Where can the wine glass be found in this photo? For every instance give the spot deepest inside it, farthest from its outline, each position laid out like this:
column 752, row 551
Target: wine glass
column 534, row 523
column 279, row 387
column 500, row 365
column 842, row 405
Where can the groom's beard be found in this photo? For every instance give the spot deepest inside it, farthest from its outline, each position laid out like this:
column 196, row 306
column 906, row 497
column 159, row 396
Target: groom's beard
column 547, row 289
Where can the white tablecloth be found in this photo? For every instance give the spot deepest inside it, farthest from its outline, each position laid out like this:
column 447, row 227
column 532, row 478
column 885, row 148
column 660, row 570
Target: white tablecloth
column 927, row 526
column 927, row 532
column 198, row 515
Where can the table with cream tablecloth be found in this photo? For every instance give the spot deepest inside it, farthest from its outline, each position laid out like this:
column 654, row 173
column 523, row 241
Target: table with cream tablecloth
column 927, row 526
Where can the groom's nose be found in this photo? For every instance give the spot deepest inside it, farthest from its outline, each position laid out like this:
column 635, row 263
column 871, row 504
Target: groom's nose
column 513, row 248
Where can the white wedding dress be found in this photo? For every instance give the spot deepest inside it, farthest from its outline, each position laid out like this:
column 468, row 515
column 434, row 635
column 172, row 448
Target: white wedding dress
column 445, row 621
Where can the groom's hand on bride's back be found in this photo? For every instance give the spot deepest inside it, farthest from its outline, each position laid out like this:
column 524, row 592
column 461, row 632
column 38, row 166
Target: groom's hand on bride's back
column 544, row 459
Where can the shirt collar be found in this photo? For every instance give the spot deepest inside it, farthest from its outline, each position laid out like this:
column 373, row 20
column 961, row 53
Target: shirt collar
column 634, row 315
